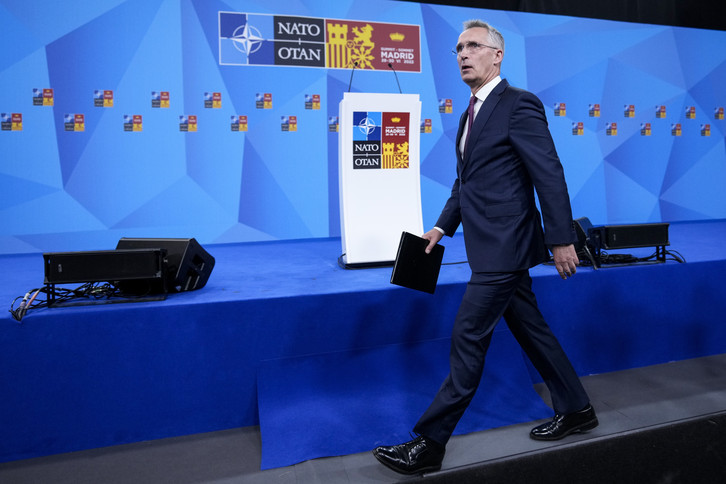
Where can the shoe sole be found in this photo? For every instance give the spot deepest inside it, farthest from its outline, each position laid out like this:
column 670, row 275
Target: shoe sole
column 579, row 429
column 406, row 471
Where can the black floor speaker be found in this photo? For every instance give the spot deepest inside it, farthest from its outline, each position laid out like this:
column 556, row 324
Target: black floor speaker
column 105, row 266
column 633, row 235
column 188, row 265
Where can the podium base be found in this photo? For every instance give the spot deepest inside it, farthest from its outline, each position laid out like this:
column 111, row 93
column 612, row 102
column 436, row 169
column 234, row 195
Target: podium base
column 363, row 265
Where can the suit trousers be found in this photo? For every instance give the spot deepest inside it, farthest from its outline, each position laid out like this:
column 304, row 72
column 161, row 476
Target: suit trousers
column 488, row 298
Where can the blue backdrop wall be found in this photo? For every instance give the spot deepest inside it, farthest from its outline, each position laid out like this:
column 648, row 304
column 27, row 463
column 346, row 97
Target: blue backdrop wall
column 126, row 118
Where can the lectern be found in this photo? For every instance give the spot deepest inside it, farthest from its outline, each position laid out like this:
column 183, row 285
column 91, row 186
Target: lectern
column 380, row 176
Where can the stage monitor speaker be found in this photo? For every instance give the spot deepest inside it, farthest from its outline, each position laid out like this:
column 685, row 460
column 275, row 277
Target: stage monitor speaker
column 105, row 266
column 188, row 264
column 586, row 246
column 582, row 229
column 633, row 236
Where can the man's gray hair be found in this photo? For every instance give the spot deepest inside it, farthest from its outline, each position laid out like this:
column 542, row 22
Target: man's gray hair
column 495, row 37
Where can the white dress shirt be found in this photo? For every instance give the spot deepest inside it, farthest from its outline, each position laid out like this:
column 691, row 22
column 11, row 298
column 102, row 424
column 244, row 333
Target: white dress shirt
column 481, row 95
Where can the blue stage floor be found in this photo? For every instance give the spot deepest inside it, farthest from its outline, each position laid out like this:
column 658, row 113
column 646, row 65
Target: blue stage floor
column 267, row 270
column 85, row 377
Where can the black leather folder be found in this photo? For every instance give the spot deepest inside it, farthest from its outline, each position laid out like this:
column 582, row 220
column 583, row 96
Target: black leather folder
column 414, row 268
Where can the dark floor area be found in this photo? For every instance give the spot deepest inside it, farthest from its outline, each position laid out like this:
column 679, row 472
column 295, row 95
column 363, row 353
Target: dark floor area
column 645, row 407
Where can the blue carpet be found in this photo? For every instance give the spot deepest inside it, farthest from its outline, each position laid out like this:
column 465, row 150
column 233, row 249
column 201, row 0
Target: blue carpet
column 84, row 377
column 348, row 402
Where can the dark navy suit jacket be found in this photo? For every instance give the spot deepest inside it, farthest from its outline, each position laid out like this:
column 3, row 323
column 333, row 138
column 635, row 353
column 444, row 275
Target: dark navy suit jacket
column 510, row 153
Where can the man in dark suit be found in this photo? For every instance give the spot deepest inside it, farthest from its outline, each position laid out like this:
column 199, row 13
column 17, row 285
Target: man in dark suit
column 504, row 152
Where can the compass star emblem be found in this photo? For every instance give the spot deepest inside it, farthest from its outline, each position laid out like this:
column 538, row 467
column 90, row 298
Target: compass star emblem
column 367, row 125
column 247, row 39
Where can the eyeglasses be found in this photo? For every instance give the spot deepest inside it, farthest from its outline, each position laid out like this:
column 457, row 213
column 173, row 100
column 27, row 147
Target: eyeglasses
column 469, row 47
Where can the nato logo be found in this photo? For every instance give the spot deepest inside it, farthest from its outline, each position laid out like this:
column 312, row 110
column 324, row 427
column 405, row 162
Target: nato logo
column 366, row 126
column 258, row 39
column 246, row 39
column 366, row 140
column 37, row 97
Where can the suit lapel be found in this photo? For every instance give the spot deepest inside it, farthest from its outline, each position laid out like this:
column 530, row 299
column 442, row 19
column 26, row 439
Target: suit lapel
column 485, row 112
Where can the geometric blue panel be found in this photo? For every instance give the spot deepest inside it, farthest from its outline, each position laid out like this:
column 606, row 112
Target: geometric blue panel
column 259, row 188
column 86, row 188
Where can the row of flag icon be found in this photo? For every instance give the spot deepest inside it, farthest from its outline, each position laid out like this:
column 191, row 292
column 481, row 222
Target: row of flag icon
column 594, row 111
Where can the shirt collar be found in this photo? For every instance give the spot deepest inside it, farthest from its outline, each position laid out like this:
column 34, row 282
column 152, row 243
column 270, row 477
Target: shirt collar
column 487, row 88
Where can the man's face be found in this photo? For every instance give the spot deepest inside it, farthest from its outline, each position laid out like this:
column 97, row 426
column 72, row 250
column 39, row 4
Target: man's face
column 478, row 65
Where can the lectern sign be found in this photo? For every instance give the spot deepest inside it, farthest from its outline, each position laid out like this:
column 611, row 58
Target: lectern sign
column 380, row 140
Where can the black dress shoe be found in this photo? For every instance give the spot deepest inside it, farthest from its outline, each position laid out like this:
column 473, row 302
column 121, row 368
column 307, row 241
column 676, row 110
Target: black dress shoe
column 417, row 456
column 563, row 425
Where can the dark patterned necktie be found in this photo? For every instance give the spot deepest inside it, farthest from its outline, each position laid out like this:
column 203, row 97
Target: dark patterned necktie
column 470, row 121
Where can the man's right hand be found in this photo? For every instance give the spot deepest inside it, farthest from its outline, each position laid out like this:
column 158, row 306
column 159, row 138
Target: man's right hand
column 433, row 236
